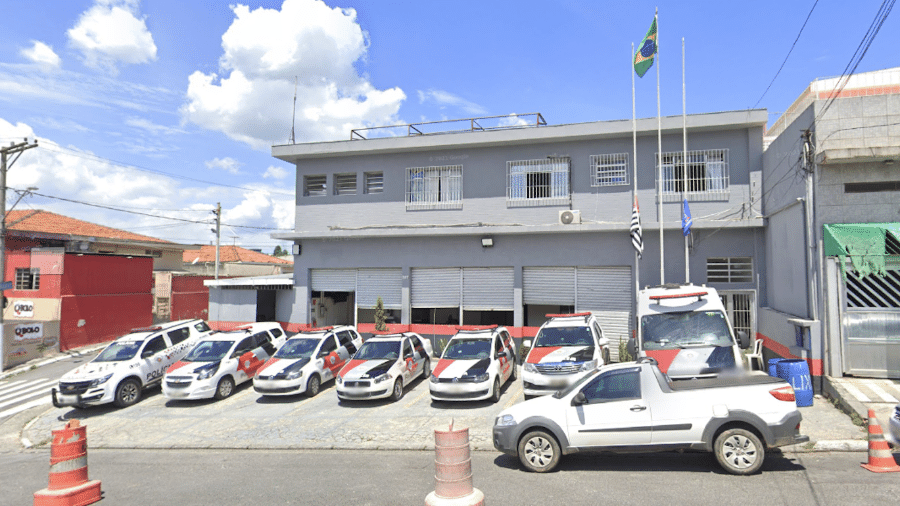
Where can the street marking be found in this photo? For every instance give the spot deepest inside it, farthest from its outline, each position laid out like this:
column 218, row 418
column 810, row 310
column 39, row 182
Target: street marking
column 515, row 397
column 419, row 398
column 27, row 405
column 855, row 392
column 881, row 393
column 3, row 386
column 26, row 388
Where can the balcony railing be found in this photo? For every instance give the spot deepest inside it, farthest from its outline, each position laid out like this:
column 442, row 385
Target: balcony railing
column 483, row 123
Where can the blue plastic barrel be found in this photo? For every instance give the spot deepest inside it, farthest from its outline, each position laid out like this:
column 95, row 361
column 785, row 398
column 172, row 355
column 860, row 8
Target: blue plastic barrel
column 773, row 362
column 796, row 372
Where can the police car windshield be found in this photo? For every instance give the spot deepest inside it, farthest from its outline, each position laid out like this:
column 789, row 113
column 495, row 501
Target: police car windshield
column 379, row 350
column 119, row 351
column 668, row 331
column 298, row 348
column 563, row 336
column 468, row 349
column 209, row 351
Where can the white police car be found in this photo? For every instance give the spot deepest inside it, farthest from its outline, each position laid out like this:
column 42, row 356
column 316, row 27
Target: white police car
column 128, row 365
column 221, row 361
column 474, row 366
column 384, row 365
column 307, row 360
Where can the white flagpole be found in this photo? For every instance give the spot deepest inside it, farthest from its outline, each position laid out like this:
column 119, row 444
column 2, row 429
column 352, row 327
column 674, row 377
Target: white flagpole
column 637, row 261
column 662, row 256
column 687, row 263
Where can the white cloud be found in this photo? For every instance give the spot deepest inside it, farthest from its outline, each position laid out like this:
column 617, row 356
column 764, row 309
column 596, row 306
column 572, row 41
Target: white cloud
column 444, row 99
column 275, row 172
column 226, row 164
column 109, row 33
column 251, row 99
column 152, row 127
column 42, row 54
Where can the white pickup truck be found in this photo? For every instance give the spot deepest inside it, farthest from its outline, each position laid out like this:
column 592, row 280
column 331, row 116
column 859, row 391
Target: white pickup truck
column 635, row 407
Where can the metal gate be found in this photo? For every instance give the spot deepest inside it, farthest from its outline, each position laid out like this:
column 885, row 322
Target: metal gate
column 488, row 289
column 871, row 323
column 608, row 293
column 384, row 283
column 435, row 287
column 333, row 280
column 548, row 285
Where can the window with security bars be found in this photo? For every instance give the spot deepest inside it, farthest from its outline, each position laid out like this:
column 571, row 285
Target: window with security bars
column 374, row 182
column 345, row 184
column 434, row 187
column 739, row 309
column 706, row 178
column 609, row 170
column 538, row 182
column 28, row 279
column 314, row 186
column 729, row 270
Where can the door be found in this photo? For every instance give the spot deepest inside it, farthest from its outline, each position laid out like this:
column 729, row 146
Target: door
column 154, row 358
column 614, row 413
column 331, row 357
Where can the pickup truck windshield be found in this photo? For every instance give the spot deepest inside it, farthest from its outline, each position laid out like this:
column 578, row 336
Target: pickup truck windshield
column 564, row 336
column 379, row 350
column 117, row 352
column 298, row 348
column 468, row 349
column 209, row 351
column 667, row 331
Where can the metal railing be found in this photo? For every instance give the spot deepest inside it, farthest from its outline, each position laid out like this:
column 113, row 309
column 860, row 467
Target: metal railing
column 482, row 123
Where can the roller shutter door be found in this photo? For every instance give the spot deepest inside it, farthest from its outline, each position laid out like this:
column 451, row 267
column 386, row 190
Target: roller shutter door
column 548, row 285
column 488, row 288
column 608, row 293
column 333, row 280
column 384, row 283
column 435, row 287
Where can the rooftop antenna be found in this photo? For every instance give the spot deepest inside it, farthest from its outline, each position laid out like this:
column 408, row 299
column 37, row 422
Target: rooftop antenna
column 294, row 112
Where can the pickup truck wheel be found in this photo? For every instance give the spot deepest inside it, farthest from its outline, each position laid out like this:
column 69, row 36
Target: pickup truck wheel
column 128, row 393
column 225, row 388
column 539, row 451
column 739, row 451
column 312, row 388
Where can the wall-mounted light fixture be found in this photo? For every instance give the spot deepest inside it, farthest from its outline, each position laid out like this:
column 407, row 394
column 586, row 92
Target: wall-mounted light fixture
column 487, row 242
column 295, row 249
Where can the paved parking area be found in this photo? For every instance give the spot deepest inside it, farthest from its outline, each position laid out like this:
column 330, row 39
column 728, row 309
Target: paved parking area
column 248, row 420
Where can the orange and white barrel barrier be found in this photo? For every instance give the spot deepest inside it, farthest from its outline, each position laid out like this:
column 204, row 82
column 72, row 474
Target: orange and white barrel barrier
column 453, row 470
column 69, row 485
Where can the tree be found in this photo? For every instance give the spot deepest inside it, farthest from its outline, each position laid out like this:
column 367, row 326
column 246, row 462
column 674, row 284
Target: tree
column 278, row 251
column 379, row 316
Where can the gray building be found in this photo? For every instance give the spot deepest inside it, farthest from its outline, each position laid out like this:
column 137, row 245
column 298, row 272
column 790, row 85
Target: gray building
column 831, row 196
column 505, row 225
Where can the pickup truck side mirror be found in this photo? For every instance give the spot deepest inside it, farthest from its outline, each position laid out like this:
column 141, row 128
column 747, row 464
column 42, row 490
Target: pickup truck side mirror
column 579, row 399
column 632, row 347
column 743, row 339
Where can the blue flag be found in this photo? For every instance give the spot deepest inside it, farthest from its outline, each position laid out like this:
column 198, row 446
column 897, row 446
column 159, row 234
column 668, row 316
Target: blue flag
column 686, row 219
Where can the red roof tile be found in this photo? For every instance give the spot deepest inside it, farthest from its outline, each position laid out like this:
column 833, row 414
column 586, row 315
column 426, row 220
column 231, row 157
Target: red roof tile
column 231, row 254
column 52, row 223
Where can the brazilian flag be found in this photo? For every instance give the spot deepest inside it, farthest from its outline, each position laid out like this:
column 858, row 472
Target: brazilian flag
column 643, row 58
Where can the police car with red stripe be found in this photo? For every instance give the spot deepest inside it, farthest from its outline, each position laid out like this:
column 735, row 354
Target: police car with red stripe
column 566, row 347
column 474, row 366
column 222, row 361
column 307, row 360
column 384, row 365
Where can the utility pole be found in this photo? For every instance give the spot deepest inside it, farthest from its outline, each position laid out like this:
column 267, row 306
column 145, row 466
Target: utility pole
column 218, row 231
column 12, row 149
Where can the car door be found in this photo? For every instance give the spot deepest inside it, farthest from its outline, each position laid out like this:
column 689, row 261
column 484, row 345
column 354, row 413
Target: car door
column 153, row 359
column 243, row 353
column 345, row 339
column 420, row 355
column 613, row 413
column 331, row 359
column 502, row 358
column 409, row 366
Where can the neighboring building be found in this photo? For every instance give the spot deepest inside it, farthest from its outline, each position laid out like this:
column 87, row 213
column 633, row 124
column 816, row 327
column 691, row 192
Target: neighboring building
column 831, row 195
column 234, row 261
column 79, row 282
column 506, row 225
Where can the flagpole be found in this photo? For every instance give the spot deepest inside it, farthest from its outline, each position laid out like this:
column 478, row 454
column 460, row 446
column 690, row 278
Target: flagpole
column 659, row 212
column 687, row 263
column 637, row 258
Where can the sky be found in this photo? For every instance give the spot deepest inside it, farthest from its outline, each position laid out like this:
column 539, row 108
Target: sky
column 147, row 114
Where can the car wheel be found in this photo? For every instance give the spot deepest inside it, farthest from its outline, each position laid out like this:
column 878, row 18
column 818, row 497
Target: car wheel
column 225, row 388
column 128, row 393
column 739, row 451
column 495, row 395
column 539, row 451
column 312, row 388
column 426, row 369
column 514, row 375
column 397, row 394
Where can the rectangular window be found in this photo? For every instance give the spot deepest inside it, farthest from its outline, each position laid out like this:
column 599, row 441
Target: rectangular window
column 706, row 178
column 314, row 186
column 374, row 182
column 28, row 279
column 538, row 182
column 434, row 187
column 729, row 270
column 609, row 170
column 345, row 184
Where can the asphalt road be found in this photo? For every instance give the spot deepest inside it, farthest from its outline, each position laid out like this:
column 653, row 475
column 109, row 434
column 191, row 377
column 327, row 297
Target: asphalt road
column 362, row 477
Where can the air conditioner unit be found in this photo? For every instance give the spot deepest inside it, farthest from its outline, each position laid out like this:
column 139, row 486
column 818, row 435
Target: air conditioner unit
column 569, row 217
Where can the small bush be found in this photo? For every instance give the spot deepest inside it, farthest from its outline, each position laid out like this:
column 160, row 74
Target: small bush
column 624, row 356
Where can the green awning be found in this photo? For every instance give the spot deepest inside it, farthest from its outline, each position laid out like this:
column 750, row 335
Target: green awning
column 867, row 244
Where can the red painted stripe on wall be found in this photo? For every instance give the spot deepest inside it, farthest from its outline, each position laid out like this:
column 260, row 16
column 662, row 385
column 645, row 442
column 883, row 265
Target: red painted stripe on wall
column 815, row 364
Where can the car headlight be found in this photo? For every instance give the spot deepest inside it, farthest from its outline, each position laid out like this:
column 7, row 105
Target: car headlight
column 339, row 380
column 588, row 366
column 100, row 381
column 481, row 378
column 505, row 421
column 529, row 367
column 207, row 371
column 434, row 379
column 294, row 374
column 382, row 378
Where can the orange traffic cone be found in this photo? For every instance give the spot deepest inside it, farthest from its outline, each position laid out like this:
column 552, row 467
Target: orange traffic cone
column 69, row 485
column 880, row 458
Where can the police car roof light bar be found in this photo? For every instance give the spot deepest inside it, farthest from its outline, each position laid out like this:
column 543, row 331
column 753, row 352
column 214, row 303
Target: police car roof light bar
column 586, row 315
column 699, row 296
column 475, row 328
column 147, row 329
column 317, row 329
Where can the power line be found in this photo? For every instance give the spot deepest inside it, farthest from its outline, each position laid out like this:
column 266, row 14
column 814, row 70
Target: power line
column 788, row 54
